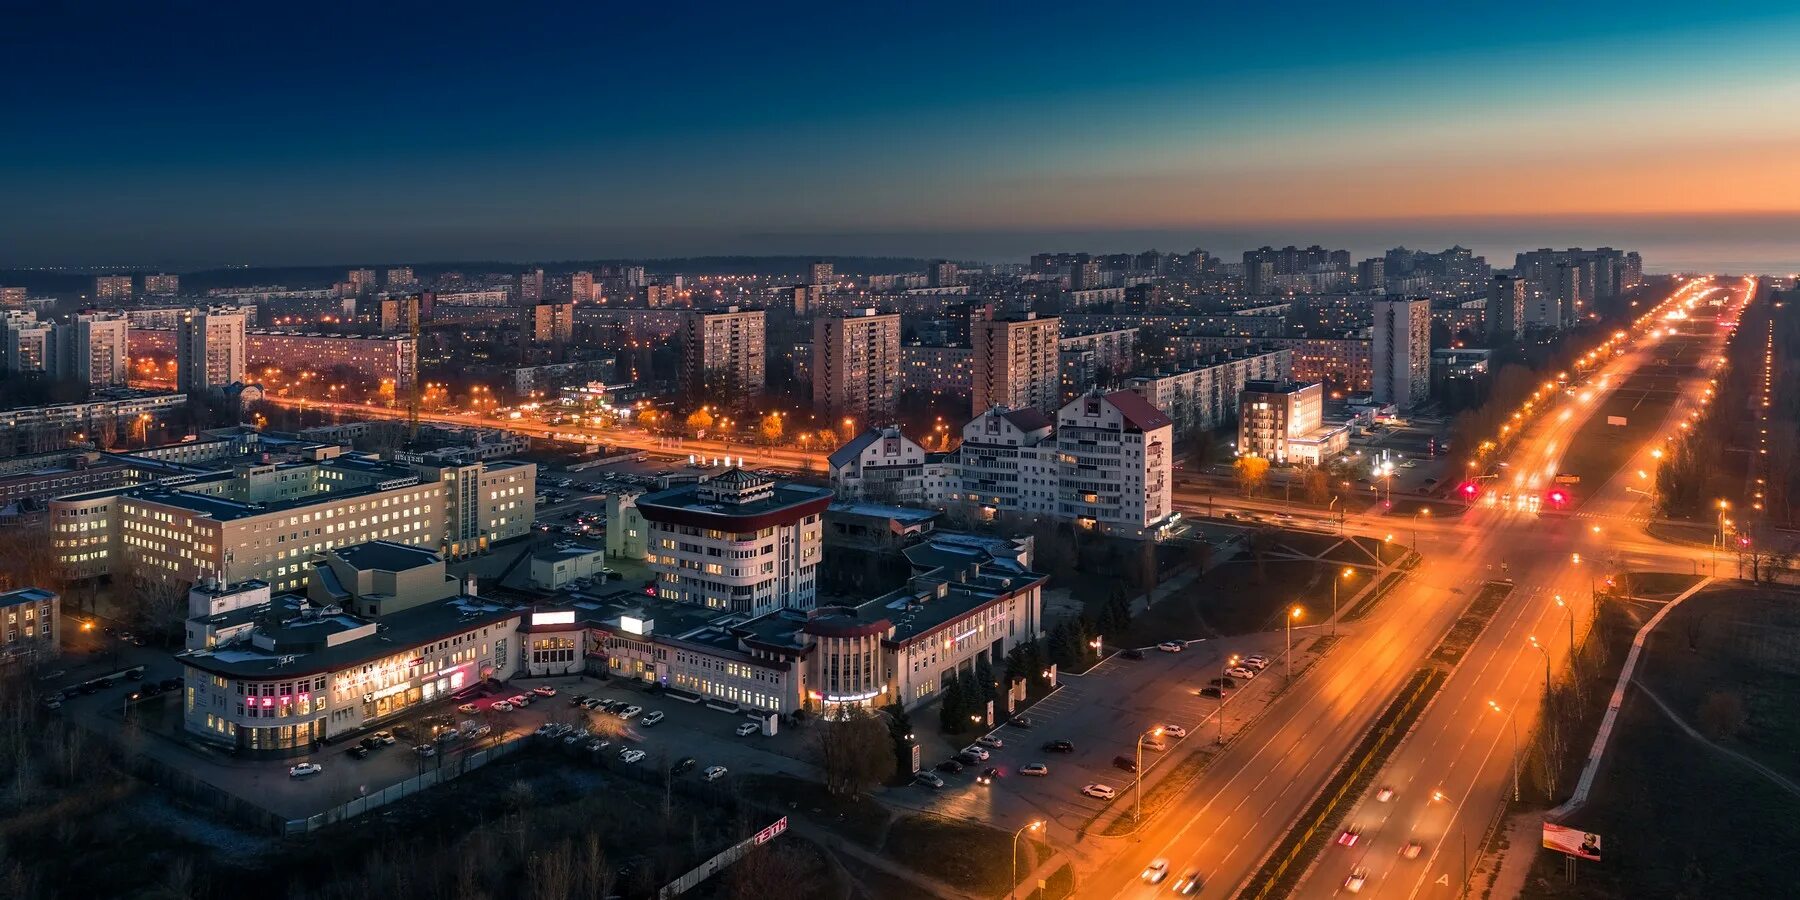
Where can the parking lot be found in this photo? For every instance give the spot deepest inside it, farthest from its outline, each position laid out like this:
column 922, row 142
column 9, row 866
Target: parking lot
column 1101, row 713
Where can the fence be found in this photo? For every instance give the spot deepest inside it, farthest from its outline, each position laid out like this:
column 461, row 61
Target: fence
column 468, row 762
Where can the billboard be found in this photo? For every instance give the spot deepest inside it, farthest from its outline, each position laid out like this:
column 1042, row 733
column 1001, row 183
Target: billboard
column 1573, row 841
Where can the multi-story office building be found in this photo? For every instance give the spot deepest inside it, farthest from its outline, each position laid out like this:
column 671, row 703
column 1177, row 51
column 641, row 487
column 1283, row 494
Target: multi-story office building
column 1097, row 359
column 264, row 520
column 1204, row 395
column 1402, row 352
column 1505, row 307
column 738, row 542
column 1283, row 421
column 112, row 287
column 1015, row 361
column 162, row 285
column 30, row 624
column 938, row 370
column 856, row 365
column 882, row 465
column 722, row 356
column 484, row 502
column 209, row 351
column 1114, row 453
column 92, row 349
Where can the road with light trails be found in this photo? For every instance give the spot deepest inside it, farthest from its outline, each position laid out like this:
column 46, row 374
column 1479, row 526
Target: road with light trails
column 1224, row 824
column 1455, row 769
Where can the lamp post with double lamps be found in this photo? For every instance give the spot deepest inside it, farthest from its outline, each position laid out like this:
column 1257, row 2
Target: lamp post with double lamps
column 1345, row 575
column 1230, row 664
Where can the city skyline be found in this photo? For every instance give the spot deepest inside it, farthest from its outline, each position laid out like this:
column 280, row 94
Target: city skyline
column 981, row 135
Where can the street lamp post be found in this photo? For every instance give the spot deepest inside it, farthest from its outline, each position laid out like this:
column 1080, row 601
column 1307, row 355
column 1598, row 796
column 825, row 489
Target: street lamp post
column 1347, row 573
column 1033, row 825
column 1549, row 716
column 1220, row 714
column 1288, row 657
column 1423, row 511
column 1137, row 784
column 1569, row 613
column 1515, row 746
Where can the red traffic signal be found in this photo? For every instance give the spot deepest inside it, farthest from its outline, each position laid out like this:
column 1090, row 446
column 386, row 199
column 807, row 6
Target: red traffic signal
column 1558, row 497
column 1469, row 489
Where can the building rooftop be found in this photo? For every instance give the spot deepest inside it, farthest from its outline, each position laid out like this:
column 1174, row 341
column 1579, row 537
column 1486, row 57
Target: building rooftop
column 735, row 498
column 1138, row 412
column 26, row 595
column 385, row 556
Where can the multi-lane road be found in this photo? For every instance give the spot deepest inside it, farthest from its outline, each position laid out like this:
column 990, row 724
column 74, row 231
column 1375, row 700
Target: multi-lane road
column 1460, row 749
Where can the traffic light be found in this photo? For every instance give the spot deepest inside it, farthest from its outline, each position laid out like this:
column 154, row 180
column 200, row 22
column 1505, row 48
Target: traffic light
column 1469, row 489
column 1559, row 497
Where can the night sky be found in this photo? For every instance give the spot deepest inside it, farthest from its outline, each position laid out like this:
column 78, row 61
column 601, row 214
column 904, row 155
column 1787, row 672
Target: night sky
column 205, row 134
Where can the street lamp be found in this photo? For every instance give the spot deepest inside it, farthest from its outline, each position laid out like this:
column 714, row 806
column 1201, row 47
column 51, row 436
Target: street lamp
column 1292, row 615
column 1033, row 825
column 1569, row 612
column 1095, row 643
column 1515, row 746
column 1220, row 714
column 1137, row 784
column 1423, row 511
column 1342, row 576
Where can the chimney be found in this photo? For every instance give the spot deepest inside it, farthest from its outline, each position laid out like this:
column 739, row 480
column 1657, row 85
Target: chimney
column 469, row 586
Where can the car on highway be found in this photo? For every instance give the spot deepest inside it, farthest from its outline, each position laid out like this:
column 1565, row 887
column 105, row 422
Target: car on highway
column 630, row 757
column 1171, row 646
column 1384, row 795
column 1037, row 769
column 1188, row 884
column 1349, row 836
column 1412, row 849
column 748, row 728
column 1156, row 871
column 1100, row 791
column 1059, row 747
column 988, row 740
column 1175, row 731
column 926, row 779
column 714, row 773
column 1359, row 876
column 304, row 769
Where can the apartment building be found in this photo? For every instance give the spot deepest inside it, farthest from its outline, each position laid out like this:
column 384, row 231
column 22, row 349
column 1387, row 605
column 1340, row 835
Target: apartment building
column 209, row 351
column 112, row 287
column 1402, row 352
column 383, row 358
column 856, row 365
column 1204, row 395
column 724, row 353
column 1007, row 462
column 1097, row 359
column 879, row 464
column 162, row 285
column 30, row 624
column 737, row 542
column 937, row 370
column 1015, row 361
column 92, row 349
column 1283, row 422
column 1114, row 453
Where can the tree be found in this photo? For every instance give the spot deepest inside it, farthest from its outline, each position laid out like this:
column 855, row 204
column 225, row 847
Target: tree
column 1315, row 484
column 1722, row 715
column 771, row 870
column 855, row 750
column 974, row 699
column 900, row 732
column 699, row 421
column 770, row 428
column 1252, row 471
column 951, row 707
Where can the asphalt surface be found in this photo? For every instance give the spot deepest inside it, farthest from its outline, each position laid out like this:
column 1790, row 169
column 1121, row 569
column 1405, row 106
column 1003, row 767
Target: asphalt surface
column 1251, row 794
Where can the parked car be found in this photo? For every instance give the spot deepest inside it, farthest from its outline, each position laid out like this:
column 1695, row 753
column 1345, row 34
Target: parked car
column 468, row 709
column 1226, row 682
column 928, row 780
column 980, row 753
column 950, row 765
column 501, row 706
column 425, row 750
column 1257, row 662
column 1211, row 691
column 631, row 757
column 1126, row 763
column 1175, row 731
column 544, row 690
column 682, row 765
column 1021, row 722
column 385, row 737
column 714, row 773
column 630, row 712
column 1171, row 646
column 1059, row 747
column 1100, row 791
column 592, row 704
column 748, row 728
column 519, row 700
column 1036, row 769
column 1133, row 653
column 598, row 744
column 988, row 740
column 304, row 769
column 360, row 751
column 1241, row 672
column 652, row 717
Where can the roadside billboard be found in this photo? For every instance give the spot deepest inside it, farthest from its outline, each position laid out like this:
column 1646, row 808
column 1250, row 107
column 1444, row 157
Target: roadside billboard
column 1572, row 841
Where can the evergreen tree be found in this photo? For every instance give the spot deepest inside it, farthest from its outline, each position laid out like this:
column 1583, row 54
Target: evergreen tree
column 950, row 709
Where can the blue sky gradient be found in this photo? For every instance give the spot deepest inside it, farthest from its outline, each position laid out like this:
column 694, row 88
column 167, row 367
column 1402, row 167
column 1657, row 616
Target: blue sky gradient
column 200, row 134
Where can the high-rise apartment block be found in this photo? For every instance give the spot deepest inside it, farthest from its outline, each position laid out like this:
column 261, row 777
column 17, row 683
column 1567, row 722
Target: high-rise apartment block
column 1114, row 454
column 360, row 281
column 582, row 288
column 821, row 273
column 400, row 278
column 1402, row 352
column 550, row 323
column 26, row 345
column 112, row 287
column 92, row 349
column 856, row 365
column 944, row 273
column 1016, row 361
column 12, row 297
column 162, row 285
column 531, row 287
column 1506, row 306
column 723, row 356
column 209, row 351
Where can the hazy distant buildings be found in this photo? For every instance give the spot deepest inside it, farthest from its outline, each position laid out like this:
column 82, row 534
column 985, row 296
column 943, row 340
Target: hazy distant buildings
column 210, row 353
column 360, row 281
column 821, row 273
column 112, row 287
column 1402, row 352
column 1016, row 362
column 943, row 273
column 582, row 288
column 856, row 365
column 400, row 278
column 162, row 285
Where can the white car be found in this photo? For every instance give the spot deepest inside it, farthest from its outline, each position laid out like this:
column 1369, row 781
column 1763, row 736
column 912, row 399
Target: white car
column 713, row 773
column 630, row 712
column 977, row 751
column 988, row 740
column 1258, row 663
column 425, row 750
column 544, row 690
column 468, row 708
column 385, row 737
column 304, row 769
column 501, row 706
column 1175, row 731
column 1156, row 871
column 1171, row 646
column 653, row 717
column 631, row 756
column 1384, row 795
column 748, row 728
column 1358, row 877
column 1100, row 791
column 1038, row 769
column 1241, row 673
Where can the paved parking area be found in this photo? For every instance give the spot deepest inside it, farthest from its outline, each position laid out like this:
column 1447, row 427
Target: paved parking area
column 1102, row 713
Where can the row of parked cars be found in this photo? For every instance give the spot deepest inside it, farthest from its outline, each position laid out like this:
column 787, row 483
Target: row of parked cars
column 1247, row 668
column 580, row 740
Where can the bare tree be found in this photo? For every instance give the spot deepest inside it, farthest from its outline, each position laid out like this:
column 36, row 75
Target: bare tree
column 854, row 750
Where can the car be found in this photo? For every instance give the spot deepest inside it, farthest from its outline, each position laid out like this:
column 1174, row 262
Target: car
column 1133, row 653
column 1258, row 663
column 1126, row 763
column 967, row 758
column 630, row 757
column 682, row 765
column 304, row 769
column 544, row 690
column 575, row 737
column 1350, row 836
column 1384, row 795
column 385, row 737
column 714, row 773
column 630, row 712
column 1241, row 672
column 950, row 765
column 1037, row 769
column 987, row 775
column 1224, row 681
column 501, row 706
column 169, row 684
column 977, row 751
column 479, row 731
column 1211, row 691
column 52, row 703
column 1359, row 876
column 360, row 751
column 651, row 718
column 519, row 700
column 425, row 749
column 468, row 708
column 1175, row 731
column 927, row 779
column 1024, row 722
column 1155, row 872
column 1171, row 646
column 1059, row 747
column 1188, row 884
column 448, row 735
column 1100, row 791
column 988, row 740
column 592, row 704
column 748, row 728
